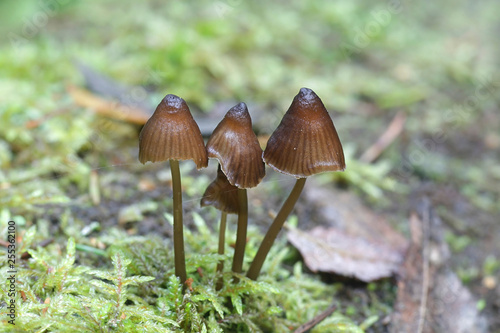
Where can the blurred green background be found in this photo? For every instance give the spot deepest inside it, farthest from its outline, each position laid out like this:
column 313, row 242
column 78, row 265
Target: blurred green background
column 435, row 63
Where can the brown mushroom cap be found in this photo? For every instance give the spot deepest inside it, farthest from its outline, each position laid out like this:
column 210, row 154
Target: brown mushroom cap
column 305, row 142
column 221, row 194
column 172, row 133
column 235, row 145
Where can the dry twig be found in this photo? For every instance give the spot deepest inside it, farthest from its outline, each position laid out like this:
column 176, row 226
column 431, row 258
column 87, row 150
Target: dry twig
column 316, row 320
column 107, row 108
column 425, row 269
column 391, row 133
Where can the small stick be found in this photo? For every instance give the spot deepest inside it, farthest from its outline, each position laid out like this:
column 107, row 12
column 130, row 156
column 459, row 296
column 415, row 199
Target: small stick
column 425, row 269
column 94, row 190
column 391, row 133
column 37, row 122
column 107, row 108
column 316, row 320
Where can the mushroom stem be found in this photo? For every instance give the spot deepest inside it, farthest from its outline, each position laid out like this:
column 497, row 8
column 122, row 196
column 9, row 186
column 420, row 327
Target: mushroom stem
column 222, row 240
column 241, row 234
column 274, row 229
column 180, row 261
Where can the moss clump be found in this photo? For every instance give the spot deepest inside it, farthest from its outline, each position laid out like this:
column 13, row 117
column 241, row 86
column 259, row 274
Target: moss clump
column 131, row 287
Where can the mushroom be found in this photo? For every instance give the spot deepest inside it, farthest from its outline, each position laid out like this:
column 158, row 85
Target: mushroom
column 305, row 143
column 172, row 134
column 235, row 145
column 221, row 195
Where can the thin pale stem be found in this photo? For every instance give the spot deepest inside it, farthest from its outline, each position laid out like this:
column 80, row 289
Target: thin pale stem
column 222, row 240
column 274, row 229
column 180, row 261
column 241, row 234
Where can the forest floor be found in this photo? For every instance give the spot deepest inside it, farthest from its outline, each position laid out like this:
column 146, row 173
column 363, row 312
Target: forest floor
column 413, row 92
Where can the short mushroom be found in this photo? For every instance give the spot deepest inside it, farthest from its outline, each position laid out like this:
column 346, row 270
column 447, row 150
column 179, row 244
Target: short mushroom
column 221, row 195
column 235, row 145
column 172, row 134
column 304, row 143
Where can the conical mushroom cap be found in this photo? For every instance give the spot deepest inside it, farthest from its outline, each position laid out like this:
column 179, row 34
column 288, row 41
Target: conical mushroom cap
column 172, row 133
column 305, row 142
column 221, row 194
column 235, row 145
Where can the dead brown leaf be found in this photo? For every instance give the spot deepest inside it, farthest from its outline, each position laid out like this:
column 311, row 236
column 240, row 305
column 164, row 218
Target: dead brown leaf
column 333, row 251
column 344, row 211
column 355, row 243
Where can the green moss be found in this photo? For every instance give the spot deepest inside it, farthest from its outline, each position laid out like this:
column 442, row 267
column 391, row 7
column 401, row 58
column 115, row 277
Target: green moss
column 136, row 290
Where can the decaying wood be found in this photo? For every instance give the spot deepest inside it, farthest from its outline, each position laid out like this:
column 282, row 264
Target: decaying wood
column 431, row 298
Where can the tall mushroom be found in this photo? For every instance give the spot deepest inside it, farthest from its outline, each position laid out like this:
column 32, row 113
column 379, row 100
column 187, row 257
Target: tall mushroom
column 172, row 134
column 235, row 145
column 221, row 195
column 304, row 143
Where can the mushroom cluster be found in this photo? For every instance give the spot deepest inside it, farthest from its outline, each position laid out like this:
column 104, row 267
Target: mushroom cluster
column 305, row 143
